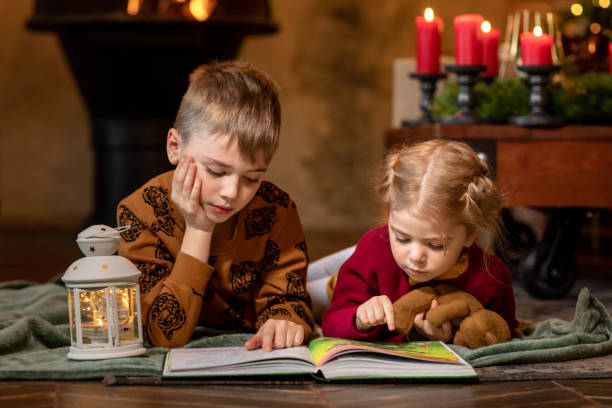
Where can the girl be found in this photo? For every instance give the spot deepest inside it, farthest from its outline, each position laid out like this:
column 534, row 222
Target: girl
column 439, row 198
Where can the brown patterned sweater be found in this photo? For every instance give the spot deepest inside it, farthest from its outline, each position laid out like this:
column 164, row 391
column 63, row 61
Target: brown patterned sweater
column 257, row 275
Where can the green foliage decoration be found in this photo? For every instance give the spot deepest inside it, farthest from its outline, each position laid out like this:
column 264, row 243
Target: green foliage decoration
column 501, row 99
column 445, row 101
column 496, row 101
column 584, row 99
column 577, row 98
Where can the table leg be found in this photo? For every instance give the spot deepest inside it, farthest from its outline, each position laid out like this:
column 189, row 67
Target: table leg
column 548, row 269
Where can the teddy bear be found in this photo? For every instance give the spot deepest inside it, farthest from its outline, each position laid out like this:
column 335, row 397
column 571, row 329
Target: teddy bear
column 473, row 325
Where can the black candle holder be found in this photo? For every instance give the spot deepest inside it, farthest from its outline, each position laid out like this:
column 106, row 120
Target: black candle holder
column 489, row 79
column 467, row 75
column 538, row 98
column 428, row 88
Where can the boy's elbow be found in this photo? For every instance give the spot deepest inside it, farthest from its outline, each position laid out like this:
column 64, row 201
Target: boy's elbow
column 163, row 342
column 158, row 339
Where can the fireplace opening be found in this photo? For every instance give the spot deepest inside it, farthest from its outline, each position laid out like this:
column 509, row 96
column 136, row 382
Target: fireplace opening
column 131, row 60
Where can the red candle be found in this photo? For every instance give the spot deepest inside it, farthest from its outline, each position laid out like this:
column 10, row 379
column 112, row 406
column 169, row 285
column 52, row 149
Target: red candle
column 468, row 44
column 428, row 29
column 536, row 48
column 610, row 55
column 490, row 45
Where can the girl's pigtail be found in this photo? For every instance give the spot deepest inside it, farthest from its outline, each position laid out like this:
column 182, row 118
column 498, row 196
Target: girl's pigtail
column 386, row 184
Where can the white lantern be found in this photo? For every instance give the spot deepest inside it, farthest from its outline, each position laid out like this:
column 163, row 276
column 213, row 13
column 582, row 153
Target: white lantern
column 103, row 299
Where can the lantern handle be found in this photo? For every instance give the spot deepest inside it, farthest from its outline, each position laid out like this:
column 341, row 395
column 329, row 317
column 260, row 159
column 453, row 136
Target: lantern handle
column 108, row 233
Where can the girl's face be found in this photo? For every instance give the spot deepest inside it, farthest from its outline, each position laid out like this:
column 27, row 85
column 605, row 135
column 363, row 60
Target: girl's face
column 423, row 250
column 229, row 181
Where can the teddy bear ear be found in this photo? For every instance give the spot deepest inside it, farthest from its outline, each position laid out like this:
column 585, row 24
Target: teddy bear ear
column 403, row 324
column 406, row 308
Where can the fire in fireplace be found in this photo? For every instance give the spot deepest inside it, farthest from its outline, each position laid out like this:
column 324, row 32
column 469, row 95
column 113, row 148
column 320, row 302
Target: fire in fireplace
column 197, row 9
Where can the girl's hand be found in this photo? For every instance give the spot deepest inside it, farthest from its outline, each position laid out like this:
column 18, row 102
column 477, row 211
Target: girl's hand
column 442, row 333
column 276, row 334
column 186, row 188
column 376, row 311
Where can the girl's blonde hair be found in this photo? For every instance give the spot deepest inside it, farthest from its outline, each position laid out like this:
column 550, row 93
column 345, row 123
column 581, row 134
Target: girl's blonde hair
column 234, row 99
column 442, row 179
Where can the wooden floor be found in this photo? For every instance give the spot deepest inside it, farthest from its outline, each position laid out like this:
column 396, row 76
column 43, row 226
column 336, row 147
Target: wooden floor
column 574, row 393
column 41, row 255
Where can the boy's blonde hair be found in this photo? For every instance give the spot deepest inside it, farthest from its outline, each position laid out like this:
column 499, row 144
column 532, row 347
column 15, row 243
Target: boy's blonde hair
column 234, row 99
column 442, row 179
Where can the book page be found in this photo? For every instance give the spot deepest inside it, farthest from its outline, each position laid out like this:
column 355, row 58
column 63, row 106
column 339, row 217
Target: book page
column 181, row 360
column 363, row 366
column 326, row 348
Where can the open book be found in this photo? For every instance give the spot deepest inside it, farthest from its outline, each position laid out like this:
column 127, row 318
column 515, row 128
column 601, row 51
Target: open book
column 331, row 358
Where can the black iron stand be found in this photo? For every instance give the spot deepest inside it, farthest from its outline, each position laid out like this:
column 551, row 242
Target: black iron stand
column 487, row 79
column 548, row 269
column 467, row 75
column 538, row 98
column 428, row 88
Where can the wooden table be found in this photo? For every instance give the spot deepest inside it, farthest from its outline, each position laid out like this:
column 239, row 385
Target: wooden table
column 568, row 169
column 565, row 167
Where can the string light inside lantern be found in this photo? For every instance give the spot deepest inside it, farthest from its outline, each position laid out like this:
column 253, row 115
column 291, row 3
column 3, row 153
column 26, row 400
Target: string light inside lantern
column 103, row 299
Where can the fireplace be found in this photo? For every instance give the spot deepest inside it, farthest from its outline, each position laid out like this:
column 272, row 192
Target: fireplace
column 131, row 60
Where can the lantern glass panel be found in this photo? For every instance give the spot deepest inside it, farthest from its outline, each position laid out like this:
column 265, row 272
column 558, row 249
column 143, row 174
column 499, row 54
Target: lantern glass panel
column 94, row 322
column 72, row 316
column 127, row 314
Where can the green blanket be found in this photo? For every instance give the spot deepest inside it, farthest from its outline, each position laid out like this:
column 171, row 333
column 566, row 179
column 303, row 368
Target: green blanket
column 35, row 337
column 589, row 334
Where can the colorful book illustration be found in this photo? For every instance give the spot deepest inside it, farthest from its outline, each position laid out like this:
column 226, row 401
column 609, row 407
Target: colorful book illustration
column 326, row 358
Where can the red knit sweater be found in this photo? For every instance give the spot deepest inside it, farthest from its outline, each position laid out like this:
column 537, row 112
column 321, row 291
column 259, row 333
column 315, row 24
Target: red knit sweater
column 372, row 271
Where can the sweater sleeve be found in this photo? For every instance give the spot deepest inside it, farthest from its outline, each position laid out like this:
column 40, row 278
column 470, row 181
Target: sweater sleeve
column 282, row 293
column 171, row 283
column 357, row 282
column 501, row 300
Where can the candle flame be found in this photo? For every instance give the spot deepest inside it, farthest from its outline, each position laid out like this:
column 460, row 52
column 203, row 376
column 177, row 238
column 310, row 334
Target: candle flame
column 201, row 9
column 133, row 7
column 429, row 14
column 485, row 26
column 537, row 31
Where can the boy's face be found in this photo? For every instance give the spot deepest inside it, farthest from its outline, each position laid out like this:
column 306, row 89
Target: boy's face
column 229, row 181
column 422, row 250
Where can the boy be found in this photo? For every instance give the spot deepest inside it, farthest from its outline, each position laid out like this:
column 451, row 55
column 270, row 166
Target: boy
column 217, row 245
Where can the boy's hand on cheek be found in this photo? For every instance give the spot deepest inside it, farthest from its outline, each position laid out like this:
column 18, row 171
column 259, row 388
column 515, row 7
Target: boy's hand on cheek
column 442, row 333
column 186, row 189
column 376, row 311
column 276, row 334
